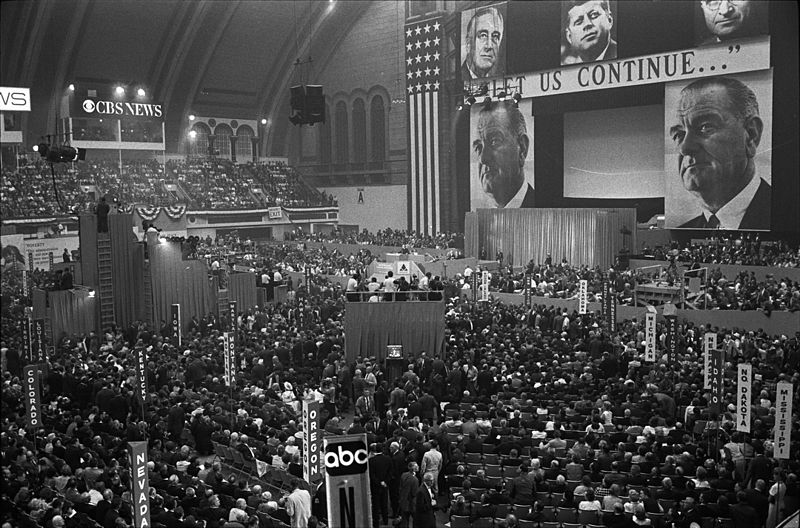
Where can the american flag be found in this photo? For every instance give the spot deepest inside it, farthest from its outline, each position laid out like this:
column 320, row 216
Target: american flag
column 423, row 76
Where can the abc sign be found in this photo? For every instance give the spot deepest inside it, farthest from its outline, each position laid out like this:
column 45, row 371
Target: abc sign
column 347, row 458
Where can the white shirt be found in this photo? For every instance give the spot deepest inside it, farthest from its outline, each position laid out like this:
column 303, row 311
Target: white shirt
column 731, row 214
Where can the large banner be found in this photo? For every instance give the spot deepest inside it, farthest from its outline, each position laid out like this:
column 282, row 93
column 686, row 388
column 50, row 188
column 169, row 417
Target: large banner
column 141, row 375
column 709, row 344
column 583, row 296
column 141, row 485
column 681, row 65
column 717, row 380
column 588, row 32
column 35, row 253
column 483, row 47
column 484, row 285
column 501, row 167
column 650, row 337
column 177, row 328
column 347, row 487
column 718, row 152
column 33, row 397
column 783, row 420
column 312, row 440
column 424, row 43
column 744, row 397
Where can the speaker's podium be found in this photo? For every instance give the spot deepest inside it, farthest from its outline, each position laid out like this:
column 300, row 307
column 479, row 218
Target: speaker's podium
column 394, row 327
column 395, row 362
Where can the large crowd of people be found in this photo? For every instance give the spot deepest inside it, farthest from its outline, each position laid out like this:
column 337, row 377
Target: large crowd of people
column 386, row 237
column 198, row 183
column 743, row 250
column 529, row 414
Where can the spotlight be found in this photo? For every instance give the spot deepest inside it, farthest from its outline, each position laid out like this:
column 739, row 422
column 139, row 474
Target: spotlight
column 120, row 90
column 191, row 117
column 192, row 134
column 91, row 293
column 140, row 92
column 71, row 87
column 460, row 107
column 264, row 121
column 36, row 148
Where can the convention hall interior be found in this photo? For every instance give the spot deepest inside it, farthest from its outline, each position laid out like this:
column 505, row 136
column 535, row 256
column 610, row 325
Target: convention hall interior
column 400, row 263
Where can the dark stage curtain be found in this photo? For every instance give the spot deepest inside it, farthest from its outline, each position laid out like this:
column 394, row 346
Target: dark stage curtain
column 87, row 236
column 242, row 289
column 72, row 312
column 585, row 236
column 184, row 282
column 127, row 259
column 369, row 327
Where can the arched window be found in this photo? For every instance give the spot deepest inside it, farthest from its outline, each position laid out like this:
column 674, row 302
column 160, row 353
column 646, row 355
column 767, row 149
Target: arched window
column 342, row 131
column 199, row 145
column 359, row 131
column 223, row 141
column 325, row 138
column 244, row 144
column 377, row 129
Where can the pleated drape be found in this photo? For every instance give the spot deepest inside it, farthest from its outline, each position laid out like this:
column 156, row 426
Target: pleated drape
column 72, row 312
column 87, row 237
column 242, row 289
column 126, row 268
column 582, row 236
column 185, row 282
column 369, row 327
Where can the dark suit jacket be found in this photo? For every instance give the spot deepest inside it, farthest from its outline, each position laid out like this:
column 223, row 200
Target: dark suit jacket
column 528, row 200
column 409, row 485
column 424, row 516
column 757, row 215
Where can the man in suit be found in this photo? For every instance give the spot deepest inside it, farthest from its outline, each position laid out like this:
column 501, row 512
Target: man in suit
column 502, row 148
column 425, row 512
column 731, row 20
column 482, row 41
column 409, row 485
column 587, row 27
column 717, row 133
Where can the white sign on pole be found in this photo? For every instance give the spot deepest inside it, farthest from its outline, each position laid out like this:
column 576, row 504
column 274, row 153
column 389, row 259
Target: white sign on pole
column 583, row 296
column 709, row 343
column 783, row 420
column 744, row 397
column 650, row 337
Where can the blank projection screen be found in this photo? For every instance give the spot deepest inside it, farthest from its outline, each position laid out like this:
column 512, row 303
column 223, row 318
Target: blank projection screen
column 614, row 153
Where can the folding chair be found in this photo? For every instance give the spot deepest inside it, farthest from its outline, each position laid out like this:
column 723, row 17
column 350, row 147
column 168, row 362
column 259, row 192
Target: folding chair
column 502, row 510
column 528, row 524
column 493, row 470
column 587, row 517
column 474, row 458
column 483, row 522
column 567, row 515
column 459, row 521
column 491, row 458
